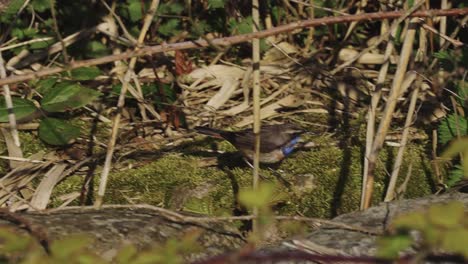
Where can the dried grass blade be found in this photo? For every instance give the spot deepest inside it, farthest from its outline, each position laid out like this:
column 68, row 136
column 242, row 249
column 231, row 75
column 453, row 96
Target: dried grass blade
column 14, row 151
column 42, row 194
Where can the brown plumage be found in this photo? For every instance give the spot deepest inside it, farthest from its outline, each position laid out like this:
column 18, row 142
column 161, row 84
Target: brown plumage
column 276, row 141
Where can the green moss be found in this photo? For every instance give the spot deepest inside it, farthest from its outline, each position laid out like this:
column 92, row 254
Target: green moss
column 173, row 181
column 29, row 145
column 321, row 182
column 335, row 177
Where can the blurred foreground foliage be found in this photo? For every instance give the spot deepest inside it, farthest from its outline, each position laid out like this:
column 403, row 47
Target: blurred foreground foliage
column 77, row 249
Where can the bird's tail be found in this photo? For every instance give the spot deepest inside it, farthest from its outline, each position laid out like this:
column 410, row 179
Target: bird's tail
column 217, row 133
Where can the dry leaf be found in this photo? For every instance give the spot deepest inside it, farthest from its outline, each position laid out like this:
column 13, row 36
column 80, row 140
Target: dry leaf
column 226, row 91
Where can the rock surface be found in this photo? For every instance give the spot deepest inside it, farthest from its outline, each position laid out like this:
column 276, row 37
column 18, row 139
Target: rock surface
column 144, row 226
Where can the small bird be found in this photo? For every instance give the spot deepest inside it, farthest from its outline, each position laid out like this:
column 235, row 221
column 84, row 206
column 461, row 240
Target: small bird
column 276, row 141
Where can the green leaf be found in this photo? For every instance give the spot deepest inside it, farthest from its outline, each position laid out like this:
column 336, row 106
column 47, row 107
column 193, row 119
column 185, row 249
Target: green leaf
column 41, row 5
column 390, row 247
column 455, row 241
column 451, row 126
column 24, row 33
column 199, row 206
column 48, row 22
column 259, row 198
column 13, row 242
column 278, row 13
column 464, row 57
column 243, row 27
column 57, row 132
column 66, row 96
column 134, row 10
column 116, row 88
column 87, row 257
column 148, row 89
column 414, row 220
column 455, row 175
column 42, row 44
column 85, row 73
column 447, row 60
column 446, row 215
column 168, row 95
column 176, row 8
column 456, row 147
column 66, row 247
column 200, row 28
column 169, row 28
column 432, row 235
column 45, row 85
column 213, row 4
column 443, row 55
column 126, row 254
column 462, row 90
column 170, row 9
column 96, row 49
column 12, row 9
column 21, row 107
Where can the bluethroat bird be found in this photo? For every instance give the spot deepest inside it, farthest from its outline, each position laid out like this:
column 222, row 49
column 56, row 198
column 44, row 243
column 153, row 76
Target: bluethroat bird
column 276, row 141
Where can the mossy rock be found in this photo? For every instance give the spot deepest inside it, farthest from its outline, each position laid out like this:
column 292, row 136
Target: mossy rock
column 172, row 181
column 334, row 177
column 322, row 182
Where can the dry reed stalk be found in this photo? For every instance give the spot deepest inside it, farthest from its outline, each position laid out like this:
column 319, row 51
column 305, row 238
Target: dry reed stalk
column 256, row 106
column 120, row 105
column 370, row 130
column 14, row 151
column 443, row 22
column 390, row 194
column 395, row 93
column 310, row 34
column 9, row 105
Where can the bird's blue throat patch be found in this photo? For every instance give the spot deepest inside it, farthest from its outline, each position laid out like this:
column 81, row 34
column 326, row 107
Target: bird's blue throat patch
column 289, row 148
